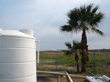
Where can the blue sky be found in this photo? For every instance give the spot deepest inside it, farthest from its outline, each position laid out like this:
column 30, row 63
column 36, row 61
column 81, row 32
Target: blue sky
column 45, row 17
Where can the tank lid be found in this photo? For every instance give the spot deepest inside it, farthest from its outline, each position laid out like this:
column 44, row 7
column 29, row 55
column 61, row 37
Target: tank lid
column 14, row 33
column 27, row 31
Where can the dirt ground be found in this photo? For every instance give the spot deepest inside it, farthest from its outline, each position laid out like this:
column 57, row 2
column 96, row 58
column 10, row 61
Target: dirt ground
column 49, row 67
column 55, row 79
column 51, row 79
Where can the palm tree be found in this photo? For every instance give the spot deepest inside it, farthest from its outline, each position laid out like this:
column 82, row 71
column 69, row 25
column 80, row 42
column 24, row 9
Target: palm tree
column 84, row 19
column 73, row 48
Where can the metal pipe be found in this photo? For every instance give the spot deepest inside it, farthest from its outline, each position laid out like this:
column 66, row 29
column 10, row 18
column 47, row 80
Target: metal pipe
column 38, row 48
column 50, row 72
column 58, row 78
column 94, row 80
column 91, row 73
column 106, row 78
column 99, row 80
column 69, row 77
column 91, row 79
column 47, row 76
column 62, row 73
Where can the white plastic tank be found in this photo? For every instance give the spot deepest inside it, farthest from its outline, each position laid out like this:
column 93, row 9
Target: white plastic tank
column 17, row 56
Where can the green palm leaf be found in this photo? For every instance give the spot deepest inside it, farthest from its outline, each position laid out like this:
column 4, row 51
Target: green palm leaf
column 68, row 45
column 83, row 17
column 98, row 31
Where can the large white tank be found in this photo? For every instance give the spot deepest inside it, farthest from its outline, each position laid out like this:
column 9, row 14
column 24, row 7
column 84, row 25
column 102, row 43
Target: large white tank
column 17, row 56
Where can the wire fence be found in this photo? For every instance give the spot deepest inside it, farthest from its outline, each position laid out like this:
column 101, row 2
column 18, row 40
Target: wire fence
column 99, row 61
column 65, row 61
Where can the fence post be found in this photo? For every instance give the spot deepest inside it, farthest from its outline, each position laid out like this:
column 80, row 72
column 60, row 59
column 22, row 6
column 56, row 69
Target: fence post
column 94, row 63
column 74, row 61
column 106, row 63
column 56, row 59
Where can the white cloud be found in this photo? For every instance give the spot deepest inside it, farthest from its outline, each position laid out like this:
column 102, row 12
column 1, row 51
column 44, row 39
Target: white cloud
column 99, row 44
column 45, row 17
column 45, row 32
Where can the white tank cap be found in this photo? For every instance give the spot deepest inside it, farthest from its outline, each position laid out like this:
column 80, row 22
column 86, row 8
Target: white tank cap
column 27, row 31
column 1, row 29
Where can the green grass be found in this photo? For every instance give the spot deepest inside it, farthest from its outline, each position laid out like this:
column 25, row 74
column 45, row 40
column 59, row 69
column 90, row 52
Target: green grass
column 89, row 70
column 69, row 60
column 45, row 57
column 69, row 71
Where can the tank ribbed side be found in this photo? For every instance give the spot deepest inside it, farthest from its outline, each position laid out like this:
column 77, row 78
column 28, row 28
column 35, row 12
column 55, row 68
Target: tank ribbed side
column 17, row 59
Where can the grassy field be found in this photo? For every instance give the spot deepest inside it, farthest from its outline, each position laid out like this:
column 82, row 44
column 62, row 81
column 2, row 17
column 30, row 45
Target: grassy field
column 69, row 61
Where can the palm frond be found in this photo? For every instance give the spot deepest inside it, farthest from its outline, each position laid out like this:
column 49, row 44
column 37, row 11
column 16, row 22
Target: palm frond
column 76, row 45
column 83, row 17
column 73, row 14
column 89, row 8
column 98, row 31
column 73, row 17
column 68, row 45
column 95, row 9
column 96, row 19
column 87, row 29
column 83, row 13
column 73, row 23
column 66, row 28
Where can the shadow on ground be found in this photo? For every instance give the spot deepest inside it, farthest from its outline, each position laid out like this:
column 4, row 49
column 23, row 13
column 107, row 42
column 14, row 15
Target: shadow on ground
column 43, row 79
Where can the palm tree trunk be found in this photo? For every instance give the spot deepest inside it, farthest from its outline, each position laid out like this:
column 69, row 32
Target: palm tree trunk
column 84, row 50
column 77, row 66
column 84, row 39
column 77, row 58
